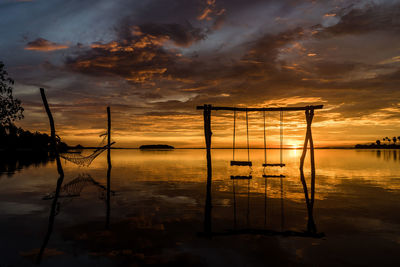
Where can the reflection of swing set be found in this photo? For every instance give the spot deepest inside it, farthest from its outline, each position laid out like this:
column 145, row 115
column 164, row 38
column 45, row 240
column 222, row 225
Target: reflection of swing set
column 234, row 185
column 310, row 232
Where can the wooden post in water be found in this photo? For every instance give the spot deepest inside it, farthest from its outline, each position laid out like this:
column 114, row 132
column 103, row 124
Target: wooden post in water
column 312, row 160
column 207, row 134
column 53, row 133
column 53, row 209
column 108, row 167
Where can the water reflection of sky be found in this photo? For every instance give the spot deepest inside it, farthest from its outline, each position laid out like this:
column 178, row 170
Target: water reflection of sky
column 161, row 190
column 337, row 170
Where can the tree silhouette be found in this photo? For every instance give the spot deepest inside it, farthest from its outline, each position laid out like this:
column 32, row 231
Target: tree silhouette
column 378, row 142
column 394, row 139
column 10, row 107
column 387, row 139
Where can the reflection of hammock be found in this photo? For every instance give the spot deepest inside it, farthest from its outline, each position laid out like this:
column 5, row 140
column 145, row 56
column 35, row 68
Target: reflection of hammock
column 75, row 187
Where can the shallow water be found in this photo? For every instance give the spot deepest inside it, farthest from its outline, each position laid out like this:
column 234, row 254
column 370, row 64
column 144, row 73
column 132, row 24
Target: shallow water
column 157, row 211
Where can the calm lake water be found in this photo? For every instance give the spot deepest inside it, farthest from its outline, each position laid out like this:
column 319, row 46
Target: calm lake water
column 157, row 211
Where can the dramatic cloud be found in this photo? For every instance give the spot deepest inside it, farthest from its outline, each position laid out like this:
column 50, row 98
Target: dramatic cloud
column 210, row 11
column 44, row 45
column 372, row 17
column 139, row 57
column 154, row 62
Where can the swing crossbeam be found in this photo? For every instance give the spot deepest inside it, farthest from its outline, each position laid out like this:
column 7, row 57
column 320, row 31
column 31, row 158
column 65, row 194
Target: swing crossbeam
column 241, row 163
column 273, row 176
column 274, row 165
column 241, row 177
column 263, row 109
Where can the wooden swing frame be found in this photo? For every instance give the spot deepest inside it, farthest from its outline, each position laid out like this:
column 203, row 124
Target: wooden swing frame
column 309, row 112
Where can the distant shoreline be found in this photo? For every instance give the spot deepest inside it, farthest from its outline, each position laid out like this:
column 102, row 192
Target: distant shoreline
column 376, row 146
column 258, row 148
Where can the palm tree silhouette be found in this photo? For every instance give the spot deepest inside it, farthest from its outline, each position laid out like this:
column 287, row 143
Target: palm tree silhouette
column 387, row 139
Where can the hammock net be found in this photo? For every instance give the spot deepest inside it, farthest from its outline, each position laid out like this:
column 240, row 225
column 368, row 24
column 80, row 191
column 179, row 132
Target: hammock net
column 85, row 160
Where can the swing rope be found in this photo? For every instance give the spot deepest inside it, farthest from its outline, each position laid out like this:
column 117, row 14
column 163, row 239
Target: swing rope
column 248, row 145
column 281, row 137
column 234, row 134
column 265, row 142
column 280, row 164
column 240, row 163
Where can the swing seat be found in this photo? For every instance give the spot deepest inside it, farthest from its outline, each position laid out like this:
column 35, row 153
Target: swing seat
column 241, row 177
column 274, row 165
column 273, row 176
column 241, row 163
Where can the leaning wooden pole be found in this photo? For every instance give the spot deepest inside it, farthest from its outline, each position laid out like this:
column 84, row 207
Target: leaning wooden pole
column 53, row 209
column 303, row 155
column 207, row 134
column 109, row 167
column 53, row 133
column 312, row 159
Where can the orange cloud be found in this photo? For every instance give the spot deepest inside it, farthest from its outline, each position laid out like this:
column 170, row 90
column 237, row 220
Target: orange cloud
column 204, row 14
column 209, row 10
column 44, row 45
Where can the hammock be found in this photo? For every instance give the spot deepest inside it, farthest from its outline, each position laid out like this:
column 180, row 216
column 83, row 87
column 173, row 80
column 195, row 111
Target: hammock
column 85, row 161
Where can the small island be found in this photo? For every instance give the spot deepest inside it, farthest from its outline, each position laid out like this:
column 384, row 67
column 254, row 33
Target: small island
column 156, row 147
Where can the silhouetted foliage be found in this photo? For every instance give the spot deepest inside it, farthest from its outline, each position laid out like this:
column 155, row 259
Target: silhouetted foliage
column 379, row 144
column 10, row 107
column 13, row 138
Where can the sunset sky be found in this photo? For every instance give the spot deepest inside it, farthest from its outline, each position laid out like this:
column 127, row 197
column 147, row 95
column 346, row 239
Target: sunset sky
column 154, row 61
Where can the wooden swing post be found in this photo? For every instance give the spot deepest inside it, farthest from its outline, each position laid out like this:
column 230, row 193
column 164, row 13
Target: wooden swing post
column 308, row 138
column 309, row 117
